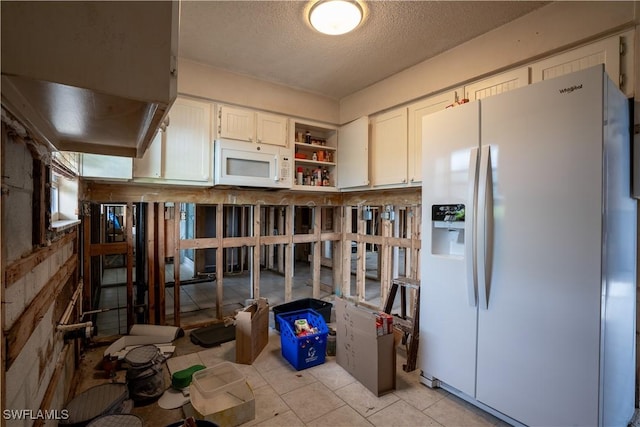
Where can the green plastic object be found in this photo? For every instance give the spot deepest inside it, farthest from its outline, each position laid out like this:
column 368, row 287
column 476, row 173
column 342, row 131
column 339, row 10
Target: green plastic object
column 182, row 379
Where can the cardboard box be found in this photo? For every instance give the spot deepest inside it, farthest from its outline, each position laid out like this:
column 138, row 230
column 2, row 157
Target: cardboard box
column 252, row 331
column 369, row 357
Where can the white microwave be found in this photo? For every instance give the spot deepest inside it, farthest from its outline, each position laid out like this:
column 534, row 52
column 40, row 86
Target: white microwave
column 252, row 165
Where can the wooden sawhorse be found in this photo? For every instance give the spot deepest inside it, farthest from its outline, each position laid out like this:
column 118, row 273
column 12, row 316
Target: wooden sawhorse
column 408, row 325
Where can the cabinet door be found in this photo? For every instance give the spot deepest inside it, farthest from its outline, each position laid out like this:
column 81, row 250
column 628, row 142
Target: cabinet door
column 416, row 112
column 389, row 148
column 271, row 129
column 106, row 167
column 237, row 123
column 150, row 165
column 353, row 154
column 187, row 150
column 497, row 84
column 605, row 52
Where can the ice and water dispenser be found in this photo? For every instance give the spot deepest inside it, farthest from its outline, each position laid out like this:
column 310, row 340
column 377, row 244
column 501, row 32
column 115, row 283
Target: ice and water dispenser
column 447, row 234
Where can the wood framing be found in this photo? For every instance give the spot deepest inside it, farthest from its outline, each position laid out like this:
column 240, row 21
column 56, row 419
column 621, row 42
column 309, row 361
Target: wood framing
column 256, row 241
column 23, row 327
column 21, row 267
column 153, row 219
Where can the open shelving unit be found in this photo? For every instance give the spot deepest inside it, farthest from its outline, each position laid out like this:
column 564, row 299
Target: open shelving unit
column 309, row 138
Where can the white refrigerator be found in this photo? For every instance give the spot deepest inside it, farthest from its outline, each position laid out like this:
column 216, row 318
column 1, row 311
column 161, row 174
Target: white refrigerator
column 528, row 257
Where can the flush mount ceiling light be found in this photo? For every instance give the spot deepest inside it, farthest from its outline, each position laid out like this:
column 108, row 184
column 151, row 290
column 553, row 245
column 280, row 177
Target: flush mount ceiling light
column 335, row 17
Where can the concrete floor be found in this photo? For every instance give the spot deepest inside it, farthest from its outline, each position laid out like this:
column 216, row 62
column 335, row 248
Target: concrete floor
column 198, row 300
column 324, row 395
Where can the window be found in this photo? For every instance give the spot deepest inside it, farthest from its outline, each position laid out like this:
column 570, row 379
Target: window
column 62, row 194
column 55, row 197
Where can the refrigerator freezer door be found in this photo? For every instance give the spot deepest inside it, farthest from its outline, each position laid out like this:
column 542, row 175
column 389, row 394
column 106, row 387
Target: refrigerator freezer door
column 448, row 313
column 538, row 338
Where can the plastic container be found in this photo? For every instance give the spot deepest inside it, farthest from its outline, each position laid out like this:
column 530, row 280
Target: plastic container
column 321, row 307
column 306, row 351
column 221, row 394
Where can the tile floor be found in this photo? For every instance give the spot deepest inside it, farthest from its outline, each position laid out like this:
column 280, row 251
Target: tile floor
column 324, row 395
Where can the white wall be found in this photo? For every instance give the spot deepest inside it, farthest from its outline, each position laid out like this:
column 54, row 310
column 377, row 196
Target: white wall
column 550, row 29
column 203, row 81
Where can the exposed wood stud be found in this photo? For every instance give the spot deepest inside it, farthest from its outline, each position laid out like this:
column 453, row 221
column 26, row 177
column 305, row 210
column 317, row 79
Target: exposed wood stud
column 162, row 253
column 130, row 262
column 279, row 220
column 384, row 261
column 86, row 268
column 361, row 258
column 346, row 250
column 152, row 256
column 276, row 251
column 255, row 283
column 219, row 259
column 317, row 250
column 289, row 253
column 336, row 248
column 176, row 264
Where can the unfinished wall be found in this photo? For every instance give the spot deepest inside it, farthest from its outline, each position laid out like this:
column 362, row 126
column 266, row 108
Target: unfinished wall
column 37, row 283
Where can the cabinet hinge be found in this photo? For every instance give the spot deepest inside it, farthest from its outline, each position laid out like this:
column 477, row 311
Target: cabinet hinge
column 623, row 47
column 621, row 81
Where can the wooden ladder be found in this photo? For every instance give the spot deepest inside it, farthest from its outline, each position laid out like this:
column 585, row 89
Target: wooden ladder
column 408, row 325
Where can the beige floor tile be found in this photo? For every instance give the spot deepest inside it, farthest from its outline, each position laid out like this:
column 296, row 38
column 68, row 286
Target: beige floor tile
column 332, row 375
column 286, row 419
column 286, row 378
column 344, row 416
column 270, row 357
column 455, row 412
column 417, row 395
column 269, row 405
column 312, row 401
column 401, row 414
column 362, row 400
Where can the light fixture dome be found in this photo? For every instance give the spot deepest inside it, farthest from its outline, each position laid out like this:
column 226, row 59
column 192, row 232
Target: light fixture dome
column 335, row 17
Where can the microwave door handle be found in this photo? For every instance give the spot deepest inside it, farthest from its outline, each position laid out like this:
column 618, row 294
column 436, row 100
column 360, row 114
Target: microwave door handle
column 275, row 163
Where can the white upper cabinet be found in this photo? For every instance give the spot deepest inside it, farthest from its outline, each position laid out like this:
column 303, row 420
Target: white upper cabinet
column 606, row 51
column 236, row 123
column 396, row 141
column 271, row 129
column 353, row 154
column 150, row 165
column 183, row 153
column 497, row 84
column 252, row 126
column 389, row 148
column 188, row 153
column 416, row 112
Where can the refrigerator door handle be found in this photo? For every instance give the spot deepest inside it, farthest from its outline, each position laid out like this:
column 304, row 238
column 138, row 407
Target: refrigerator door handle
column 470, row 230
column 485, row 226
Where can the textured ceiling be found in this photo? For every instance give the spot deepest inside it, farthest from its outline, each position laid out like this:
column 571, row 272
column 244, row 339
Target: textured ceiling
column 272, row 40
